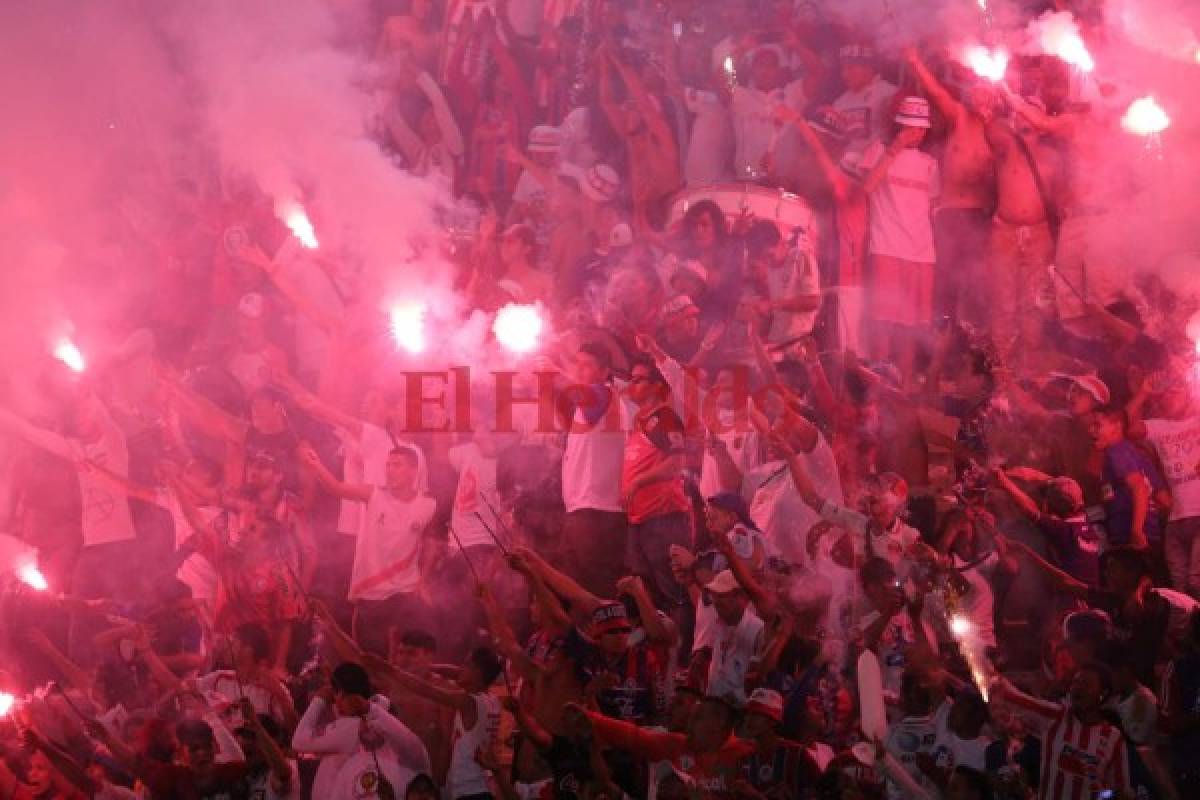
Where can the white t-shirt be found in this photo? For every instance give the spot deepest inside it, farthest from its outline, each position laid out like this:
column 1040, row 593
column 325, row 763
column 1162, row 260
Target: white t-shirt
column 895, row 644
column 1139, row 715
column 532, row 194
column 951, row 751
column 358, row 775
column 777, row 508
column 465, row 777
column 592, row 462
column 890, row 545
column 744, row 541
column 1177, row 443
column 797, row 277
column 197, row 571
column 476, row 477
column 978, row 604
column 366, row 465
column 576, row 147
column 706, row 625
column 906, row 739
column 825, row 582
column 529, row 189
column 388, row 550
column 710, row 146
column 734, row 648
column 900, row 225
column 743, row 449
column 348, row 771
column 224, row 688
column 755, row 130
column 106, row 516
column 866, row 113
column 534, row 791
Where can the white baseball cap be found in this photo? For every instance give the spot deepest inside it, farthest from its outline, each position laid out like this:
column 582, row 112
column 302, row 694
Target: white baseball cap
column 913, row 112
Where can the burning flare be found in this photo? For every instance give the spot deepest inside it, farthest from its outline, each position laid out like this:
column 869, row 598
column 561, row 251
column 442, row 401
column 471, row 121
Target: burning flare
column 991, row 65
column 1058, row 35
column 408, row 327
column 66, row 352
column 973, row 651
column 1145, row 117
column 295, row 218
column 730, row 70
column 518, row 327
column 1193, row 331
column 31, row 576
column 7, row 701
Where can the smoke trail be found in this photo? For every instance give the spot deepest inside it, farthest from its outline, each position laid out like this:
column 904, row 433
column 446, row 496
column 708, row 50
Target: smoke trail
column 290, row 104
column 92, row 113
column 124, row 117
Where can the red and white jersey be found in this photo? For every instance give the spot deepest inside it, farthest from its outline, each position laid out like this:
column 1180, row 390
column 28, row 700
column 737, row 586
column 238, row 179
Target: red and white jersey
column 388, row 549
column 657, row 436
column 1078, row 761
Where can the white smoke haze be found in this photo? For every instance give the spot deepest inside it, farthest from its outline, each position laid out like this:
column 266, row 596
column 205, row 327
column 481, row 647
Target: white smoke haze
column 1168, row 27
column 88, row 123
column 110, row 106
column 1145, row 187
column 291, row 106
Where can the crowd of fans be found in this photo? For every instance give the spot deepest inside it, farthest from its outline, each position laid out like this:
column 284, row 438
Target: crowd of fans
column 816, row 407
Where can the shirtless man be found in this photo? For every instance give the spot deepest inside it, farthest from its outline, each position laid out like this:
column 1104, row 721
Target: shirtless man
column 1089, row 244
column 1022, row 243
column 963, row 219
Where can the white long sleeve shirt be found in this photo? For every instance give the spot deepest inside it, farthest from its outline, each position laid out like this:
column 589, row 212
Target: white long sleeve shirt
column 348, row 768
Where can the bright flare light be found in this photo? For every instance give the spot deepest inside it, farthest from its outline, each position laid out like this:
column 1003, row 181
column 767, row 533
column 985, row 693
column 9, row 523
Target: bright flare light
column 1192, row 330
column 33, row 577
column 518, row 327
column 1145, row 117
column 66, row 352
column 1059, row 36
column 988, row 64
column 408, row 327
column 7, row 701
column 301, row 227
column 973, row 651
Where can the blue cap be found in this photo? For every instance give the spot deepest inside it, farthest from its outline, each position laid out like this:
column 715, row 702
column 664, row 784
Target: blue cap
column 735, row 503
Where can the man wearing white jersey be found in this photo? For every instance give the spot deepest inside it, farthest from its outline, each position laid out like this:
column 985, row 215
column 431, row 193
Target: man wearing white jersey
column 1174, row 433
column 867, row 98
column 385, row 580
column 198, row 484
column 107, row 564
column 777, row 507
column 737, row 639
column 595, row 527
column 880, row 531
column 364, row 747
column 366, row 439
